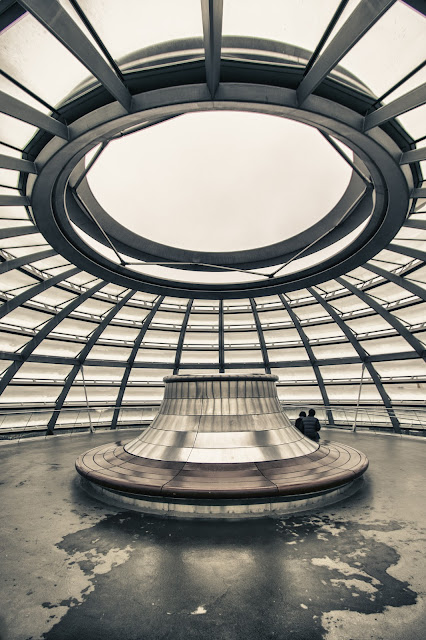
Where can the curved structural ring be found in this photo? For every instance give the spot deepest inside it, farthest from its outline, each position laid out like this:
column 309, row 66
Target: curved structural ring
column 376, row 207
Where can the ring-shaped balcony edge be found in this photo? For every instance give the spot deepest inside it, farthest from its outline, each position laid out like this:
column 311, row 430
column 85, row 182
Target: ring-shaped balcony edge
column 375, row 148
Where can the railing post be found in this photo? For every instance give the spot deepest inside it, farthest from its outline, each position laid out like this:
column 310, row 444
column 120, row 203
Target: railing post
column 359, row 396
column 91, row 427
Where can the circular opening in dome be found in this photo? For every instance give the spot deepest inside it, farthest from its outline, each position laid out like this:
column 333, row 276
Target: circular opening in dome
column 220, row 181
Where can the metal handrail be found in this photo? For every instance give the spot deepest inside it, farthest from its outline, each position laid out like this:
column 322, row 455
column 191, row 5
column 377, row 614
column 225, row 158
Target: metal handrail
column 21, row 422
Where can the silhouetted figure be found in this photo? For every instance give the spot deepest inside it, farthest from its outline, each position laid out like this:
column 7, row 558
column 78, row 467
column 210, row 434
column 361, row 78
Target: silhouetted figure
column 311, row 426
column 299, row 422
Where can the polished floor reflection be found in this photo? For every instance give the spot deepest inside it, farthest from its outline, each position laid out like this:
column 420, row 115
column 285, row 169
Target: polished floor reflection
column 74, row 568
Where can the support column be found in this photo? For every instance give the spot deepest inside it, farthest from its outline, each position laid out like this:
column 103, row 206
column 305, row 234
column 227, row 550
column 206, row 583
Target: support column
column 312, row 359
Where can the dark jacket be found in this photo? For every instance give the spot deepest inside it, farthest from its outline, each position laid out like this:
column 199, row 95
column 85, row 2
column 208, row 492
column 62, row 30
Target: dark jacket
column 299, row 424
column 311, row 426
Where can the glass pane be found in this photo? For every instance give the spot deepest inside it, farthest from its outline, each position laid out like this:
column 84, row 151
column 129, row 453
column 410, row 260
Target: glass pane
column 148, row 22
column 244, row 151
column 35, row 58
column 297, row 22
column 15, row 132
column 392, row 48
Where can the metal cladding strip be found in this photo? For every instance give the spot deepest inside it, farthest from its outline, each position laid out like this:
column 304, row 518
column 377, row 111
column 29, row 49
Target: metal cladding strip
column 389, row 317
column 82, row 357
column 44, row 332
column 221, row 440
column 60, row 24
column 137, row 343
column 363, row 355
column 312, row 359
column 212, row 11
column 217, row 423
column 24, row 297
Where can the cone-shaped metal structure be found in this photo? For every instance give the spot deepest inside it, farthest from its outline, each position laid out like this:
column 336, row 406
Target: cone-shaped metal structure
column 221, row 419
column 218, row 443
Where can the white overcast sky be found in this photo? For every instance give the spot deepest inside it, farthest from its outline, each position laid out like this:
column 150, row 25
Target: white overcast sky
column 220, row 181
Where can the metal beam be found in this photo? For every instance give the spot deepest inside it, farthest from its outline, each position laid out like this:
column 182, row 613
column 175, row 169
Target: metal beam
column 21, row 111
column 13, row 232
column 415, row 155
column 408, row 101
column 14, row 201
column 325, row 36
column 97, row 39
column 82, row 358
column 412, row 287
column 346, row 158
column 364, row 16
column 397, row 85
column 17, row 164
column 221, row 338
column 212, row 11
column 415, row 224
column 61, row 398
column 179, row 347
column 389, row 317
column 419, row 193
column 261, row 336
column 15, row 263
column 22, row 298
column 96, row 222
column 276, row 364
column 90, row 164
column 137, row 343
column 44, row 332
column 60, row 24
column 363, row 356
column 417, row 254
column 311, row 356
column 36, row 97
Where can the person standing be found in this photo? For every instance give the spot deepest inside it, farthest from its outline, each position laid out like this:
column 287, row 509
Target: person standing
column 299, row 421
column 311, row 426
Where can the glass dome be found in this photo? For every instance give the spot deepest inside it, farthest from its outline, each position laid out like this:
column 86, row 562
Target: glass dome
column 100, row 297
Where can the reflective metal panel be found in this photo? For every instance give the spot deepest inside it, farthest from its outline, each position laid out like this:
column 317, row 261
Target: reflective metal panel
column 221, row 418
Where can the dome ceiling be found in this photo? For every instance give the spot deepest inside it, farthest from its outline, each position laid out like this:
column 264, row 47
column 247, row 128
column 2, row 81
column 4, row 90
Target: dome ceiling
column 326, row 288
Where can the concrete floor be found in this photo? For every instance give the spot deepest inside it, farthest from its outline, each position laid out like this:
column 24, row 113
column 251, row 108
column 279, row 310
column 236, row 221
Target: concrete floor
column 72, row 568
